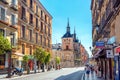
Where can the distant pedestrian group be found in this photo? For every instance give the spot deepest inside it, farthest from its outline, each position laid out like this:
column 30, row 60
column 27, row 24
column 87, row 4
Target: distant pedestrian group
column 89, row 69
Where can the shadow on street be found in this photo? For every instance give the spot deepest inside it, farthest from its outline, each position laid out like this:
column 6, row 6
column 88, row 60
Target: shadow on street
column 73, row 76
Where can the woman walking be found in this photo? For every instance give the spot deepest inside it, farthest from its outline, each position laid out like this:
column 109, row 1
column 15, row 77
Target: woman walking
column 87, row 71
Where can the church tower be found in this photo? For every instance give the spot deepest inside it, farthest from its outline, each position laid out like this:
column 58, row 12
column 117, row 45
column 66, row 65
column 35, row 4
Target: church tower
column 67, row 39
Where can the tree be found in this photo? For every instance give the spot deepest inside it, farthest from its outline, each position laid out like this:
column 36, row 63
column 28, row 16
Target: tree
column 57, row 60
column 40, row 55
column 4, row 44
column 25, row 63
column 47, row 60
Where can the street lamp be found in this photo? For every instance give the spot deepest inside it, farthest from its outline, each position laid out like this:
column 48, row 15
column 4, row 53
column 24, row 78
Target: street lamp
column 10, row 53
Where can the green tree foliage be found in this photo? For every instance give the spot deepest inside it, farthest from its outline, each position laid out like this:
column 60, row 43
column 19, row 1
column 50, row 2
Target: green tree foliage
column 25, row 63
column 57, row 59
column 40, row 54
column 25, row 58
column 47, row 58
column 4, row 44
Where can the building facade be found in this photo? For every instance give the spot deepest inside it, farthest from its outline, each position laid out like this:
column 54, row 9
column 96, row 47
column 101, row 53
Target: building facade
column 8, row 26
column 84, row 55
column 105, row 28
column 30, row 22
column 70, row 48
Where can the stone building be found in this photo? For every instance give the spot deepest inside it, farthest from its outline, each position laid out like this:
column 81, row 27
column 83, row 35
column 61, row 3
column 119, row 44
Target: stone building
column 70, row 48
column 8, row 26
column 106, row 28
column 31, row 24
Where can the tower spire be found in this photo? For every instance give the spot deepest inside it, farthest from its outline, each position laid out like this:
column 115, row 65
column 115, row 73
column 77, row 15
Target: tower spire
column 68, row 27
column 74, row 31
column 74, row 34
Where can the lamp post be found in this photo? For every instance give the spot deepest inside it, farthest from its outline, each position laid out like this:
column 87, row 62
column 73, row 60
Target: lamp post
column 10, row 53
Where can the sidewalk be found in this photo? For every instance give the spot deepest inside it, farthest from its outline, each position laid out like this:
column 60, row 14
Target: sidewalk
column 91, row 77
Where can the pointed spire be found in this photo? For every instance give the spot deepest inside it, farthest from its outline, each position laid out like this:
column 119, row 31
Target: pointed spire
column 68, row 23
column 68, row 27
column 74, row 31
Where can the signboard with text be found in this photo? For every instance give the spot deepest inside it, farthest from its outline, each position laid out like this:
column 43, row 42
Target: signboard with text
column 109, row 53
column 117, row 50
column 100, row 44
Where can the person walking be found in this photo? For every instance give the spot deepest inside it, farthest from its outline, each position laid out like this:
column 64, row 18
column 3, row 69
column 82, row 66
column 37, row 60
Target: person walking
column 87, row 71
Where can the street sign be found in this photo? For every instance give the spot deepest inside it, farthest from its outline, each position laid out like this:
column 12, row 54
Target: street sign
column 109, row 53
column 117, row 50
column 100, row 44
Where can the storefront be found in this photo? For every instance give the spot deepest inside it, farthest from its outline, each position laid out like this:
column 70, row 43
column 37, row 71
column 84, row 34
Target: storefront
column 117, row 63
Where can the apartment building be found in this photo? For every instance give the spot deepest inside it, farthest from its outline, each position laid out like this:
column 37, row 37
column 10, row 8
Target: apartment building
column 8, row 26
column 106, row 29
column 34, row 27
column 31, row 26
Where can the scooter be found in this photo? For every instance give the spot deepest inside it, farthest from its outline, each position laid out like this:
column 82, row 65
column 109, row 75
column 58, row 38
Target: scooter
column 17, row 71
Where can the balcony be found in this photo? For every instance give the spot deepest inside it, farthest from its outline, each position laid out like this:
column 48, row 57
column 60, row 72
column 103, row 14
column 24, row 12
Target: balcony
column 24, row 2
column 23, row 38
column 31, row 24
column 4, row 19
column 31, row 40
column 37, row 14
column 5, row 1
column 14, row 6
column 100, row 2
column 24, row 18
column 31, row 8
column 37, row 28
column 116, row 3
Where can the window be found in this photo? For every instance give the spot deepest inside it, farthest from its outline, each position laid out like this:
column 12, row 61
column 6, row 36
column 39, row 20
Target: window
column 44, row 41
column 36, row 37
column 41, row 39
column 2, row 14
column 23, row 31
column 13, row 19
column 23, row 15
column 48, row 31
column 48, row 43
column 41, row 26
column 45, row 29
column 30, row 50
column 23, row 49
column 31, row 4
column 13, row 40
column 2, row 31
column 67, row 48
column 14, row 2
column 31, row 19
column 46, row 18
column 41, row 14
column 30, row 36
column 36, row 22
column 36, row 8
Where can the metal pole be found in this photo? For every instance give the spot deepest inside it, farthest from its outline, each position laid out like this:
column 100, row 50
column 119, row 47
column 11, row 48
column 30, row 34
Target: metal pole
column 9, row 67
column 10, row 64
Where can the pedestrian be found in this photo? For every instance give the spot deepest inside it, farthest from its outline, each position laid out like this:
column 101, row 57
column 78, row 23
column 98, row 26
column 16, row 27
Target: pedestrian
column 87, row 71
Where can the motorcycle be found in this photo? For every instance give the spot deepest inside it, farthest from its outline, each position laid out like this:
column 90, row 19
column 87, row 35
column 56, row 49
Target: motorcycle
column 17, row 71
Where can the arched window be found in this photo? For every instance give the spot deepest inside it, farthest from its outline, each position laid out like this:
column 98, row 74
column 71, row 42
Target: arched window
column 67, row 47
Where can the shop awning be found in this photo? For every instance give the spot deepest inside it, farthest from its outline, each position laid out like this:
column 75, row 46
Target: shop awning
column 98, row 53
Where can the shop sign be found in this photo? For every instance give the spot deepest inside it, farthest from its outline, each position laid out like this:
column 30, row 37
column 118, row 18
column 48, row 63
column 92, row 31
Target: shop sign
column 117, row 50
column 100, row 44
column 109, row 53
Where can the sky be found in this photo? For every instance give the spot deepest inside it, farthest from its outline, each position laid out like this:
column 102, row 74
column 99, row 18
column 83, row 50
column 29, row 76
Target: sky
column 79, row 15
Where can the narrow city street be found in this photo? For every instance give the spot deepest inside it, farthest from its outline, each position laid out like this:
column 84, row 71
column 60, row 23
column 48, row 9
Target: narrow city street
column 63, row 74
